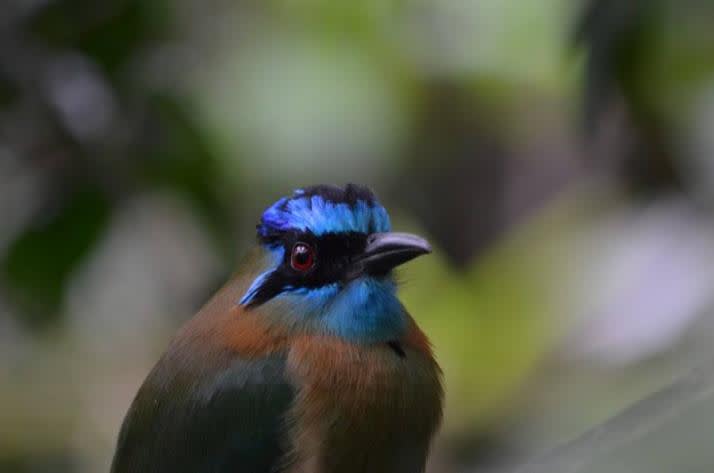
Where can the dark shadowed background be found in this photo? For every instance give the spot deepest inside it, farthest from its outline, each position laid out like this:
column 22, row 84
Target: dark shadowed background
column 558, row 154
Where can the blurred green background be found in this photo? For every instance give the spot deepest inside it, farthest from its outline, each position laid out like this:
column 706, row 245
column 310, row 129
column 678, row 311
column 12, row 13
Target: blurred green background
column 558, row 154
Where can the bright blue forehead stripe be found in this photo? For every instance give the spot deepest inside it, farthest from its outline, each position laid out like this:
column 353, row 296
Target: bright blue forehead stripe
column 316, row 214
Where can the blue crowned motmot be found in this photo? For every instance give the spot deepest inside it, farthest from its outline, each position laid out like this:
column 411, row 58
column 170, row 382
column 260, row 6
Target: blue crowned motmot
column 305, row 361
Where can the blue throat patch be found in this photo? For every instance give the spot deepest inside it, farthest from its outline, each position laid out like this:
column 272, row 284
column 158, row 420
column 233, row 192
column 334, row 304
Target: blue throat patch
column 363, row 310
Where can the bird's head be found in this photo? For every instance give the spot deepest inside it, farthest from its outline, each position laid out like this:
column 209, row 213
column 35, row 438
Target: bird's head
column 327, row 266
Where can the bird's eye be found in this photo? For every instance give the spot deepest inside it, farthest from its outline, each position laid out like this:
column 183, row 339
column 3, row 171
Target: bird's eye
column 302, row 257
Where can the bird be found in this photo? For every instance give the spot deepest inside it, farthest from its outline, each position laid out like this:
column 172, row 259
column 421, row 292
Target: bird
column 304, row 362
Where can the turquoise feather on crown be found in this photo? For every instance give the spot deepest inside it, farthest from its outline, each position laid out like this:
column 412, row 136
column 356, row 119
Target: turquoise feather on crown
column 326, row 209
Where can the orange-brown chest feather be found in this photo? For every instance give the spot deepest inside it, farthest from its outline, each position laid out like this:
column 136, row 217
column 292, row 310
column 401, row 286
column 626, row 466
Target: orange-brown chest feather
column 363, row 407
column 358, row 407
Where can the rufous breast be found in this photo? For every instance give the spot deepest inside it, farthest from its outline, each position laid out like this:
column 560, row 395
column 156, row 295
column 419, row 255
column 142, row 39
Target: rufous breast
column 363, row 408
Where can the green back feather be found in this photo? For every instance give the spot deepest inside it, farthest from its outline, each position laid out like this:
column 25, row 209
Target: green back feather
column 223, row 414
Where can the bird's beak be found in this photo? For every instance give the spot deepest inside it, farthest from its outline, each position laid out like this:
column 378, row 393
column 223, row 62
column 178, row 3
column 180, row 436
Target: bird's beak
column 385, row 251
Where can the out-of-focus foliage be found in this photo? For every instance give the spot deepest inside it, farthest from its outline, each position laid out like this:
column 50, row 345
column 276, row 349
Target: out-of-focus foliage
column 82, row 120
column 649, row 61
column 557, row 154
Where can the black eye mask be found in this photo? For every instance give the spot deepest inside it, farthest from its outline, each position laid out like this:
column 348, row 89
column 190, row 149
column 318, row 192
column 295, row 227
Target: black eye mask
column 333, row 253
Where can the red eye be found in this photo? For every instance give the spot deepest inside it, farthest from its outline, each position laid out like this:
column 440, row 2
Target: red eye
column 302, row 257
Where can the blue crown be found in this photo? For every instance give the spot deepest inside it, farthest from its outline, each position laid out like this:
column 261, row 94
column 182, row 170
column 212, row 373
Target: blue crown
column 325, row 209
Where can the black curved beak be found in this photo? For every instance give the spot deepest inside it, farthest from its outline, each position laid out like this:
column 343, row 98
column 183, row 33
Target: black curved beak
column 385, row 251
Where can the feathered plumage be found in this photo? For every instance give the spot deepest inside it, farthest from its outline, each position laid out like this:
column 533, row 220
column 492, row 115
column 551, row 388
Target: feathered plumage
column 287, row 369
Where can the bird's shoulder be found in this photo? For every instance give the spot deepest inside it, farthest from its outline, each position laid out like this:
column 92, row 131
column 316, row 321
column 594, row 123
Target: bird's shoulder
column 216, row 401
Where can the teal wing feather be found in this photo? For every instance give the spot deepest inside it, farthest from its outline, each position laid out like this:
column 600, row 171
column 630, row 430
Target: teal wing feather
column 215, row 415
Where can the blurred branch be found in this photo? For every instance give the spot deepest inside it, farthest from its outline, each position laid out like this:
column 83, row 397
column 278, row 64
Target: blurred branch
column 652, row 414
